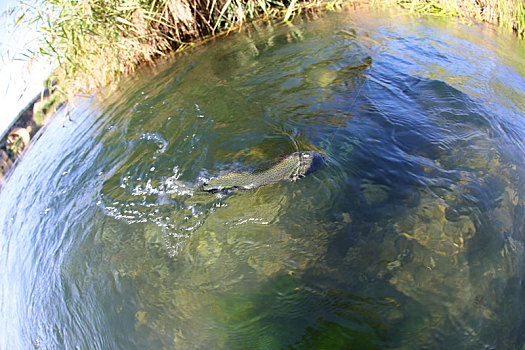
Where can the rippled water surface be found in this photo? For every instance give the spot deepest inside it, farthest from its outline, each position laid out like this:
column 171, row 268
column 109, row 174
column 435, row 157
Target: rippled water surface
column 411, row 234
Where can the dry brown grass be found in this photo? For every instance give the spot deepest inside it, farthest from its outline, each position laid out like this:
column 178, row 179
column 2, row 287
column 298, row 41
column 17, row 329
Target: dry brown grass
column 504, row 13
column 95, row 42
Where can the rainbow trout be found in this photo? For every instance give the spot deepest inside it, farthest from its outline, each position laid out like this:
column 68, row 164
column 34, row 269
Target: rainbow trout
column 291, row 167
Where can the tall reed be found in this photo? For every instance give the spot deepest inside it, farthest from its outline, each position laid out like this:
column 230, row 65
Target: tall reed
column 95, row 42
column 505, row 13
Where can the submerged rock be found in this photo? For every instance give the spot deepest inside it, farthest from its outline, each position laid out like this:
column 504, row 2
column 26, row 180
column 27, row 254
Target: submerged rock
column 432, row 228
column 374, row 193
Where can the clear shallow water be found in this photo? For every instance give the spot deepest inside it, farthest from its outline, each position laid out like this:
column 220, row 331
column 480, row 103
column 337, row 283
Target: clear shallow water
column 411, row 235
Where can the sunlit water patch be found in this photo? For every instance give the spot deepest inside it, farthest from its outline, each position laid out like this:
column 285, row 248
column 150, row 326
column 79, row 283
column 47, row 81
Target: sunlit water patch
column 411, row 235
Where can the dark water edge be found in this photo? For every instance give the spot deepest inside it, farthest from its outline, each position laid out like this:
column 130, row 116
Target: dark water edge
column 411, row 236
column 24, row 127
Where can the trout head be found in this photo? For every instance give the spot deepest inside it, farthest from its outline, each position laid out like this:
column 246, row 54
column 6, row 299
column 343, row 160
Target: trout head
column 307, row 163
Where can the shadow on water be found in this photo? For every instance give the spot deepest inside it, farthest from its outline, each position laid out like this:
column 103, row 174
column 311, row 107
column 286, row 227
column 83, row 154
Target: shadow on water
column 410, row 236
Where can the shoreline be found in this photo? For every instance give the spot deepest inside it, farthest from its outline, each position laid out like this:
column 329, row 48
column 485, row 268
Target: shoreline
column 27, row 123
column 100, row 45
column 43, row 106
column 509, row 14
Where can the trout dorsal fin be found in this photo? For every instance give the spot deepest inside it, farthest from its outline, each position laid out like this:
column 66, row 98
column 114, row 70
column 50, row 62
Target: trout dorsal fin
column 264, row 166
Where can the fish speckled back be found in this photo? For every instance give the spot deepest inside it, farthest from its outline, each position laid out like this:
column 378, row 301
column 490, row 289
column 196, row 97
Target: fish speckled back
column 291, row 167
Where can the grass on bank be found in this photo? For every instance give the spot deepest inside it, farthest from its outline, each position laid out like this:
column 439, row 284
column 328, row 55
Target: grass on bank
column 95, row 42
column 505, row 13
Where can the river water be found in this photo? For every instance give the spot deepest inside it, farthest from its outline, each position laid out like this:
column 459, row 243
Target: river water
column 411, row 235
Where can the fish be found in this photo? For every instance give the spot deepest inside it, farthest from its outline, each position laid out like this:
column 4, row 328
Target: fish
column 291, row 167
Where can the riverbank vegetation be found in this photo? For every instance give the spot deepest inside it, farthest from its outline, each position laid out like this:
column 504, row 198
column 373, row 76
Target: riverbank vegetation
column 509, row 14
column 95, row 42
